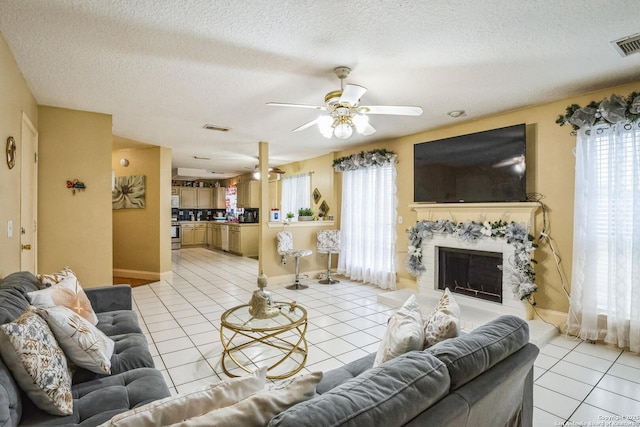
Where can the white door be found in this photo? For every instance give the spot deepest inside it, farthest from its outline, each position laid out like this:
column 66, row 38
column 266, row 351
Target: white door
column 28, row 196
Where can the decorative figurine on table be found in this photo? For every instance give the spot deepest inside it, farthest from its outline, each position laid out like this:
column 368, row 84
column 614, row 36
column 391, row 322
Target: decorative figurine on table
column 261, row 304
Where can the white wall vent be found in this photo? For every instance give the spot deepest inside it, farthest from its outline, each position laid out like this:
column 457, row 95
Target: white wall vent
column 628, row 45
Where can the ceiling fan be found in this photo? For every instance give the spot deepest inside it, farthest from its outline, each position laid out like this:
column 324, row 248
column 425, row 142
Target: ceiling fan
column 344, row 112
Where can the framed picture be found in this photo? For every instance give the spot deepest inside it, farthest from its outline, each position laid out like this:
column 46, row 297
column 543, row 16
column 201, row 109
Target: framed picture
column 316, row 196
column 128, row 192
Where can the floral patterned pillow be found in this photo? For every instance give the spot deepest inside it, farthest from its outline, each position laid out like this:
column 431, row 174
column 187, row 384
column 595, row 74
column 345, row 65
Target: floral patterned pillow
column 48, row 280
column 84, row 344
column 37, row 362
column 444, row 321
column 68, row 293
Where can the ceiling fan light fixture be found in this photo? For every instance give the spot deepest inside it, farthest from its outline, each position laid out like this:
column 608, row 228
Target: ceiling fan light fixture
column 343, row 130
column 360, row 121
column 325, row 125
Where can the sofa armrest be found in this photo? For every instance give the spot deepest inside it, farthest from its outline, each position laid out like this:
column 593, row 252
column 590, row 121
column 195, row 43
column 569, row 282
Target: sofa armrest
column 110, row 298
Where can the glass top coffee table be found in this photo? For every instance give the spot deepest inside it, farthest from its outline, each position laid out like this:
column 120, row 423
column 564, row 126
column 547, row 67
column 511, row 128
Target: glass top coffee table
column 278, row 342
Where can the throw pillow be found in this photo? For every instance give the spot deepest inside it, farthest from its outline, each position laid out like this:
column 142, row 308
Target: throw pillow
column 84, row 344
column 37, row 362
column 68, row 293
column 258, row 409
column 175, row 409
column 47, row 280
column 404, row 332
column 444, row 321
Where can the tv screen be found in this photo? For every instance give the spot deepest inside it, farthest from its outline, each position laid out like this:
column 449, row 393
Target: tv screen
column 486, row 166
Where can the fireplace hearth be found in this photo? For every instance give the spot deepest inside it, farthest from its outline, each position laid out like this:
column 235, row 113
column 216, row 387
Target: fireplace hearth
column 472, row 273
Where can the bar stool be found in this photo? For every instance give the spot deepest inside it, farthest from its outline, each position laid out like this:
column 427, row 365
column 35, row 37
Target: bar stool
column 329, row 243
column 285, row 249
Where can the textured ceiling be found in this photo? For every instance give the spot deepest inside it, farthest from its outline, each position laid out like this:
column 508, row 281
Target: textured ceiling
column 164, row 68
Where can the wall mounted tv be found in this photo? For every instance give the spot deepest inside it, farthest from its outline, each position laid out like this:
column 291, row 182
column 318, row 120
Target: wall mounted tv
column 486, row 166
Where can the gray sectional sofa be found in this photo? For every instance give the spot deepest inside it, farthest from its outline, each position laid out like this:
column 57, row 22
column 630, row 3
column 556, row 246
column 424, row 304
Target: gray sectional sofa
column 480, row 379
column 96, row 398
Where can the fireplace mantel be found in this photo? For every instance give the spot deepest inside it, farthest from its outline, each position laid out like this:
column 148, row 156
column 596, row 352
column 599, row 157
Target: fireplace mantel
column 479, row 212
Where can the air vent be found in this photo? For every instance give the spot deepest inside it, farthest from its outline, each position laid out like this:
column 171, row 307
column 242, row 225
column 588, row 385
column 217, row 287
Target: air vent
column 627, row 45
column 216, row 127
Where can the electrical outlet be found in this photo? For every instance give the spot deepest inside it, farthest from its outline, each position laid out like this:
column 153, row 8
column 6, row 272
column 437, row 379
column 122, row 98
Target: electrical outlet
column 9, row 228
column 399, row 220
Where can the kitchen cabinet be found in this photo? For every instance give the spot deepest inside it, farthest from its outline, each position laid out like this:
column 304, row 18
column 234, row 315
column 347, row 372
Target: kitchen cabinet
column 220, row 198
column 196, row 198
column 200, row 234
column 175, row 191
column 186, row 234
column 243, row 239
column 215, row 240
column 193, row 234
column 248, row 194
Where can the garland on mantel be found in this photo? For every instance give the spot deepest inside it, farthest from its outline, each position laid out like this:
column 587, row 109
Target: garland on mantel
column 363, row 159
column 614, row 110
column 515, row 233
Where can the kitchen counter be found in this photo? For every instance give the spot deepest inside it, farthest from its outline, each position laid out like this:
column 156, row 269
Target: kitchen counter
column 219, row 222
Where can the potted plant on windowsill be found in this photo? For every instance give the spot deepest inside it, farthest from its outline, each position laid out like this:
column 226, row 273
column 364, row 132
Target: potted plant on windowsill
column 305, row 214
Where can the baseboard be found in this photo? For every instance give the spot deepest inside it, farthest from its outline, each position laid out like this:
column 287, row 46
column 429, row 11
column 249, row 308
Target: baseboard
column 147, row 275
column 557, row 318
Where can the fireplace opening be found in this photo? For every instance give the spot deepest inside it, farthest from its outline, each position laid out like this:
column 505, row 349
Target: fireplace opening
column 473, row 273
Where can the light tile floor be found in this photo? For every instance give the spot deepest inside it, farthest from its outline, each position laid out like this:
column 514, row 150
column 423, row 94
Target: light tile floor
column 575, row 381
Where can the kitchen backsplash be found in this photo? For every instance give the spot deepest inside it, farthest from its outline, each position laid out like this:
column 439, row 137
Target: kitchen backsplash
column 182, row 214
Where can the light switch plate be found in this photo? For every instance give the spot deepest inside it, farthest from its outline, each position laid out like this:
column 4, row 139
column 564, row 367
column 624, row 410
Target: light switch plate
column 9, row 228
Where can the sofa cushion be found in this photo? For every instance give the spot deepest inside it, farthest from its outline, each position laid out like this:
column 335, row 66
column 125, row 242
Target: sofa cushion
column 404, row 332
column 174, row 409
column 83, row 344
column 118, row 322
column 97, row 401
column 69, row 293
column 10, row 401
column 387, row 395
column 262, row 406
column 130, row 351
column 37, row 362
column 470, row 355
column 344, row 373
column 23, row 280
column 13, row 302
column 443, row 322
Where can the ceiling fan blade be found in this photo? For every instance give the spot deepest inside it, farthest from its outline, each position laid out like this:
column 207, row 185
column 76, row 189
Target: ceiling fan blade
column 398, row 110
column 368, row 130
column 351, row 94
column 305, row 126
column 285, row 104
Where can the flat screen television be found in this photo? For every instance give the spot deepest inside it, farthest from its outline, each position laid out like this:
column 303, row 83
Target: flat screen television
column 486, row 166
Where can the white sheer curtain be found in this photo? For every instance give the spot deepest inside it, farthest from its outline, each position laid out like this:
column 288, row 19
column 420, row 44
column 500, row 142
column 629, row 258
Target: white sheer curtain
column 367, row 225
column 296, row 193
column 605, row 286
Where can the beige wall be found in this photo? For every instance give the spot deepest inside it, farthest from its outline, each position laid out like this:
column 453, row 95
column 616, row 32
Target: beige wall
column 15, row 99
column 142, row 237
column 550, row 166
column 75, row 230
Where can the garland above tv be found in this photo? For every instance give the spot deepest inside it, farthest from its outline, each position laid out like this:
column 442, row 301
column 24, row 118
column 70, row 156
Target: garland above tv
column 613, row 110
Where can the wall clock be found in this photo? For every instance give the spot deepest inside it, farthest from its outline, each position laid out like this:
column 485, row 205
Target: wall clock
column 11, row 152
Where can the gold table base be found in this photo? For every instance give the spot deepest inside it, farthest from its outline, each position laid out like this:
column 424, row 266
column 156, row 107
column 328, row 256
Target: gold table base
column 276, row 336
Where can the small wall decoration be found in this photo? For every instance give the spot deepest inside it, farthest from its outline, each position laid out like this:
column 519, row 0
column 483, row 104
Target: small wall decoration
column 316, row 196
column 324, row 207
column 11, row 152
column 128, row 192
column 76, row 185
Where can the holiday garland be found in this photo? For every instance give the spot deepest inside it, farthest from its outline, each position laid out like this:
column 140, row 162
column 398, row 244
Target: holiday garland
column 363, row 159
column 515, row 233
column 613, row 110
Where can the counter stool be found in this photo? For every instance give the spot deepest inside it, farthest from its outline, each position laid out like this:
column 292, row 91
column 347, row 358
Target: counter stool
column 285, row 249
column 329, row 243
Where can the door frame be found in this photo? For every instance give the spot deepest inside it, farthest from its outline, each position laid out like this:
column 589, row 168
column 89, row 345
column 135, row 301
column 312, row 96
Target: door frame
column 29, row 220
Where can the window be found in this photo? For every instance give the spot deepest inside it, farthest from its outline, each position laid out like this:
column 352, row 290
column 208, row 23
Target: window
column 296, row 193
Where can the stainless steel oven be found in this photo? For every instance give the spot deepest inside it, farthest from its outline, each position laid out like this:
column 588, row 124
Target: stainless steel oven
column 175, row 235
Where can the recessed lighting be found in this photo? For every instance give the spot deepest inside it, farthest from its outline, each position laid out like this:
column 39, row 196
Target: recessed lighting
column 216, row 127
column 456, row 113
